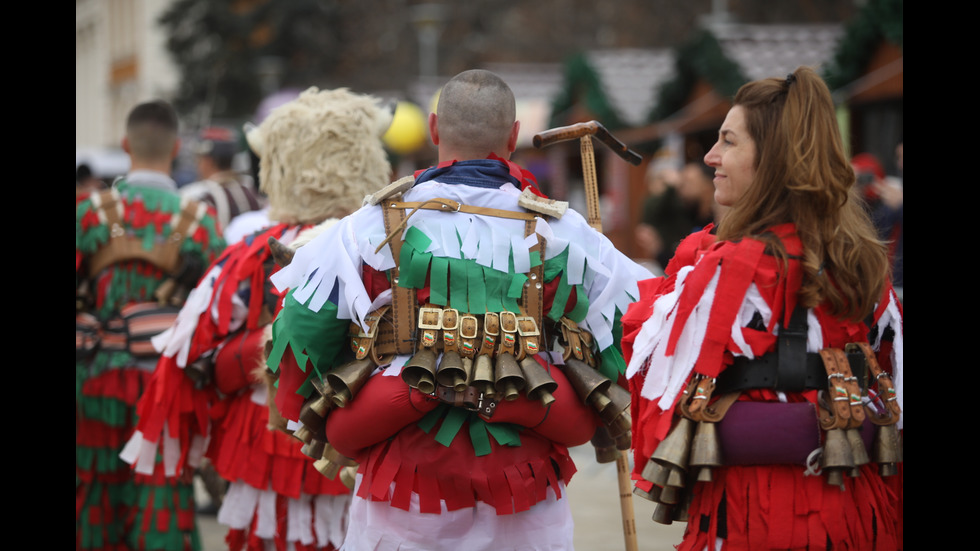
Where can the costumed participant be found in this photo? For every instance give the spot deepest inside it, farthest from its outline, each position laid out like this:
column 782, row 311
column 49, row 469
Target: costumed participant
column 769, row 357
column 418, row 341
column 320, row 155
column 139, row 248
column 221, row 186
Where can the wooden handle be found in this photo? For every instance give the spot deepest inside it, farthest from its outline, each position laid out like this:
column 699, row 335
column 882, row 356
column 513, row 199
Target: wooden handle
column 565, row 133
column 591, row 128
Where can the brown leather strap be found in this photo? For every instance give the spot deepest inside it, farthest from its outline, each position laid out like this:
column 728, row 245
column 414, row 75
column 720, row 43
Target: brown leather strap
column 587, row 342
column 430, row 323
column 491, row 330
column 508, row 333
column 363, row 343
column 840, row 407
column 571, row 335
column 469, row 333
column 716, row 411
column 853, row 391
column 403, row 299
column 443, row 205
column 533, row 299
column 699, row 398
column 450, row 330
column 529, row 337
column 886, row 387
column 448, row 205
column 121, row 246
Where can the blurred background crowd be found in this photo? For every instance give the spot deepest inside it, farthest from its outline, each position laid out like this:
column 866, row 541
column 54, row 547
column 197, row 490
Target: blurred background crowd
column 658, row 74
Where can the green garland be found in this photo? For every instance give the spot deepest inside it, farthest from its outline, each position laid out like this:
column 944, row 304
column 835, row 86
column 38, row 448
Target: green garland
column 699, row 58
column 878, row 21
column 582, row 84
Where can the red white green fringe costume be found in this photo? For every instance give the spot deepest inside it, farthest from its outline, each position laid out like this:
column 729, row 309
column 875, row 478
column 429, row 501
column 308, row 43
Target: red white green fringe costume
column 432, row 476
column 115, row 509
column 275, row 497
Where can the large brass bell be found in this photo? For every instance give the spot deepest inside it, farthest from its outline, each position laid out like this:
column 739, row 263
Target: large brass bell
column 655, row 472
column 585, row 380
column 540, row 385
column 616, row 414
column 509, row 378
column 605, row 446
column 858, row 451
column 675, row 450
column 680, row 512
column 314, row 448
column 348, row 379
column 673, row 491
column 348, row 476
column 663, row 514
column 887, row 450
column 452, row 372
column 482, row 377
column 643, row 493
column 705, row 451
column 331, row 462
column 304, row 434
column 314, row 411
column 420, row 371
column 837, row 457
column 308, row 416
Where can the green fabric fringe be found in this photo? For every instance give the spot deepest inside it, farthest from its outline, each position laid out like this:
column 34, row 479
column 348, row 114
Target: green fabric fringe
column 480, row 431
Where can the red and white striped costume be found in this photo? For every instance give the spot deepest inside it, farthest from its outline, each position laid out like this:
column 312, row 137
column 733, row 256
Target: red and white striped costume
column 275, row 494
column 696, row 320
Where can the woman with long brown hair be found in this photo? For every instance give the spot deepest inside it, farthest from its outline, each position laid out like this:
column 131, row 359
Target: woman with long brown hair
column 754, row 331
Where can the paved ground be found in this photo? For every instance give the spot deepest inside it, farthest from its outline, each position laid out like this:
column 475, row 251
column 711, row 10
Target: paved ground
column 594, row 496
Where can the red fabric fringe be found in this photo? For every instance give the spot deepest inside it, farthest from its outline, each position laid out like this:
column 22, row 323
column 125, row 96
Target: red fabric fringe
column 511, row 479
column 777, row 507
column 244, row 448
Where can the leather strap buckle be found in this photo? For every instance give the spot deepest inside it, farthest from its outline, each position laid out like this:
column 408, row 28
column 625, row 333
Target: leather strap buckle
column 450, row 325
column 430, row 322
column 469, row 331
column 527, row 329
column 508, row 326
column 430, row 318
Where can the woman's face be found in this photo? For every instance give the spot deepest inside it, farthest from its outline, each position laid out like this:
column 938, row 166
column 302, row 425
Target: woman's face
column 733, row 158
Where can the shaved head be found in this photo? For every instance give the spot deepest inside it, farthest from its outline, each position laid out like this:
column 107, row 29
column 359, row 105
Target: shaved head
column 151, row 132
column 476, row 113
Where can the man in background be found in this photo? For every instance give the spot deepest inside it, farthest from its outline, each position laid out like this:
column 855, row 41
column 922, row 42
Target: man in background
column 139, row 248
column 684, row 204
column 220, row 186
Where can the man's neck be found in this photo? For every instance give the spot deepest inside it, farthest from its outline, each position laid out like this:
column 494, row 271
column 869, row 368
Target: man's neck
column 153, row 166
column 447, row 154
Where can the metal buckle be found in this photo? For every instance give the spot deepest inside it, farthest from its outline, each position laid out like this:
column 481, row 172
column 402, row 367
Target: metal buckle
column 486, row 326
column 527, row 333
column 456, row 317
column 476, row 326
column 374, row 328
column 437, row 312
column 512, row 322
column 569, row 325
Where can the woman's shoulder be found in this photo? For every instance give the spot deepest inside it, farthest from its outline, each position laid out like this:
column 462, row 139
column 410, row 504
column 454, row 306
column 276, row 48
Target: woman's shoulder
column 691, row 249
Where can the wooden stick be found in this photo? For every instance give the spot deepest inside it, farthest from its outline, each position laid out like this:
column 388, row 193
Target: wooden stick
column 585, row 131
column 626, row 500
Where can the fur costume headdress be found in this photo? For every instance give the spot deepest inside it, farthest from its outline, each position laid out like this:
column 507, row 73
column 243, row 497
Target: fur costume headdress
column 321, row 154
